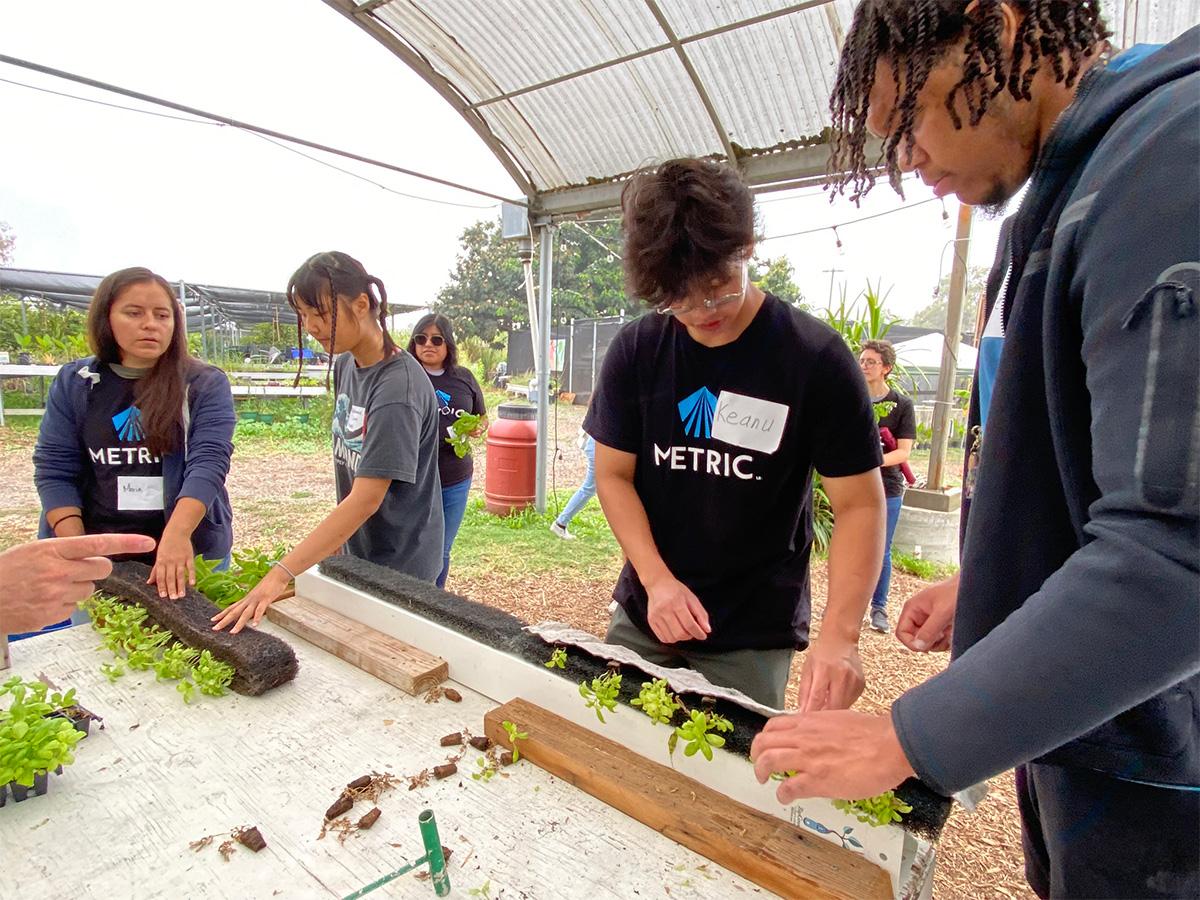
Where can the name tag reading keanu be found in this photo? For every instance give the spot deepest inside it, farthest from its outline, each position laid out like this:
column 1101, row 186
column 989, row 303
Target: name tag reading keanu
column 749, row 422
column 137, row 492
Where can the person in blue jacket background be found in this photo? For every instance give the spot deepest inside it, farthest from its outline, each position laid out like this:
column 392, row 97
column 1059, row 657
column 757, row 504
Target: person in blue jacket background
column 138, row 438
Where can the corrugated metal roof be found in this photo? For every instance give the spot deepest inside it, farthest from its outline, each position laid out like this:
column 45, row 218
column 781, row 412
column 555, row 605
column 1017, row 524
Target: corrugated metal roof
column 572, row 95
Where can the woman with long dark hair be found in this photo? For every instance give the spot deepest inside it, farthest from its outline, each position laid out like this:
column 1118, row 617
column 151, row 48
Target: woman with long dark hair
column 137, row 439
column 385, row 434
column 458, row 394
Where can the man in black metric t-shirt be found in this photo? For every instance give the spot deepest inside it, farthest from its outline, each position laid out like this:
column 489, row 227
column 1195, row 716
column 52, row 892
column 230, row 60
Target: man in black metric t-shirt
column 709, row 418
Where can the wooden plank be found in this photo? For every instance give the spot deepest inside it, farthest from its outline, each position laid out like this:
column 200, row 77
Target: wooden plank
column 762, row 848
column 402, row 665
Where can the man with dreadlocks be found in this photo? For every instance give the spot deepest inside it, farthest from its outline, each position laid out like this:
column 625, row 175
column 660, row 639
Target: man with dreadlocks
column 1075, row 622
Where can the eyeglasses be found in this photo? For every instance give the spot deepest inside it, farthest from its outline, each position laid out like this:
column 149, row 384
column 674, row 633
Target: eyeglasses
column 870, row 363
column 422, row 339
column 709, row 303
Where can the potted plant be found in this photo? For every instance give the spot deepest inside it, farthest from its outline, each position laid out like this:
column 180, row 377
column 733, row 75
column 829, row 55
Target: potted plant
column 32, row 740
column 65, row 707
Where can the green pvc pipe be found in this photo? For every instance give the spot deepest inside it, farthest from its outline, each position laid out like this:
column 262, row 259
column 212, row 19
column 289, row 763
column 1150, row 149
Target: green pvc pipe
column 433, row 856
column 433, row 852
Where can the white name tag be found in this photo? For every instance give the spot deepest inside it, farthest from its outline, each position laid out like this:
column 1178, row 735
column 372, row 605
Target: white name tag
column 749, row 422
column 354, row 420
column 139, row 492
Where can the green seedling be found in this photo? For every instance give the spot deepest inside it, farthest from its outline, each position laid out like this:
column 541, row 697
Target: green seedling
column 140, row 647
column 514, row 736
column 657, row 702
column 31, row 743
column 176, row 663
column 699, row 733
column 876, row 811
column 460, row 437
column 558, row 659
column 602, row 693
column 486, row 769
column 212, row 676
column 783, row 776
column 226, row 587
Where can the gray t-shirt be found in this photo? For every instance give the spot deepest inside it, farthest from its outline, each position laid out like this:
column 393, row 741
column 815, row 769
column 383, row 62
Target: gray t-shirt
column 385, row 425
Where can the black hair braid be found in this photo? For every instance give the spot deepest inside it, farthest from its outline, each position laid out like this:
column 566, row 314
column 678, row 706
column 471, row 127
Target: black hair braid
column 389, row 345
column 913, row 36
column 333, row 311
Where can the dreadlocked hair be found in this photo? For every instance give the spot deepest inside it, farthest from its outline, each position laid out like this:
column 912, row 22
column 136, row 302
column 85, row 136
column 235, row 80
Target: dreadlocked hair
column 319, row 282
column 913, row 36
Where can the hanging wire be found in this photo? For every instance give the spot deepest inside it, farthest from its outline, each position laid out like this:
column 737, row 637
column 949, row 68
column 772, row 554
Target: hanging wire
column 279, row 144
column 245, row 126
column 878, row 215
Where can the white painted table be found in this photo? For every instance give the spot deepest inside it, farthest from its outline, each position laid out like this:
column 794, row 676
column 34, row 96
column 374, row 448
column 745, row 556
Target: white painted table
column 8, row 370
column 162, row 774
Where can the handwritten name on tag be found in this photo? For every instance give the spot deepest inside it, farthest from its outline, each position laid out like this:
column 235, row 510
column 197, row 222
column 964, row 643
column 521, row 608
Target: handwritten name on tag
column 138, row 492
column 749, row 422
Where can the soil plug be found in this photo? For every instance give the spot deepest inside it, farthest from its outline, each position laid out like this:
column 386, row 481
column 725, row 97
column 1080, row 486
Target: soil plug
column 342, row 805
column 452, row 740
column 506, row 758
column 250, row 838
column 370, row 818
column 357, row 783
column 480, row 743
column 440, row 772
column 452, row 695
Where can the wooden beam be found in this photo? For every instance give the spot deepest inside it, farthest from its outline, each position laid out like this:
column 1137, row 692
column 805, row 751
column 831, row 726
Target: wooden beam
column 388, row 659
column 760, row 847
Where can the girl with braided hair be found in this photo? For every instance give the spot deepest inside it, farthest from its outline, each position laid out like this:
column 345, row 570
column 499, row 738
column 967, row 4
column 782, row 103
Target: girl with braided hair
column 1073, row 622
column 385, row 437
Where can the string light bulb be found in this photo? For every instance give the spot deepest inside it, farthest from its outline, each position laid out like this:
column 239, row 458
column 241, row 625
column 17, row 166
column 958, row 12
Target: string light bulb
column 945, row 214
column 837, row 237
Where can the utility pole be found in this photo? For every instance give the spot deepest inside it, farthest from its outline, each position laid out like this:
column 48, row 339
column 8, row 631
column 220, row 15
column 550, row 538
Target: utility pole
column 943, row 405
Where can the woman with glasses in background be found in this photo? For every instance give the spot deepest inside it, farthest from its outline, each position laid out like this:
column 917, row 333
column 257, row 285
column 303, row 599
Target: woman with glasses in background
column 458, row 394
column 709, row 419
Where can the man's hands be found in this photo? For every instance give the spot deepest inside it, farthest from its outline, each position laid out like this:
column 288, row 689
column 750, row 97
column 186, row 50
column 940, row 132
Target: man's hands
column 835, row 753
column 832, row 677
column 927, row 620
column 674, row 612
column 42, row 582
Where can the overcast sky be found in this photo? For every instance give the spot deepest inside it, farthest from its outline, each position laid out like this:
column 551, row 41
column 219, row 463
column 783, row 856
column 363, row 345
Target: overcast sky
column 91, row 189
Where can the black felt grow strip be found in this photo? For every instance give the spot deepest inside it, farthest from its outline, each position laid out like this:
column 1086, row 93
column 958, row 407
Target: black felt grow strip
column 505, row 632
column 260, row 661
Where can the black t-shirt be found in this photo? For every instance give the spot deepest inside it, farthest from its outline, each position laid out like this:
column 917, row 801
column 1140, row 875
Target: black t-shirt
column 902, row 421
column 726, row 440
column 458, row 393
column 123, row 490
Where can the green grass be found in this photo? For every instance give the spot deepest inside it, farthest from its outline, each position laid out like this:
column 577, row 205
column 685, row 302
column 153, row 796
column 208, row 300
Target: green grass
column 522, row 544
column 921, row 568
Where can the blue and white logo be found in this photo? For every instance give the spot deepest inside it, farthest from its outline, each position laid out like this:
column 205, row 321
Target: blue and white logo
column 443, row 398
column 128, row 424
column 696, row 410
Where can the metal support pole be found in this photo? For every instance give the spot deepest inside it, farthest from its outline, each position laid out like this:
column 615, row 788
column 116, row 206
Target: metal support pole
column 592, row 388
column 541, row 357
column 571, row 357
column 943, row 404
